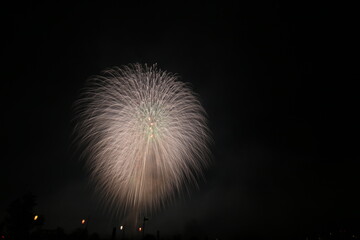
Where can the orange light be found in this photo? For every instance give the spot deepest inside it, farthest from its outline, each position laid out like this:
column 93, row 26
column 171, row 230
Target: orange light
column 36, row 217
column 140, row 229
column 83, row 221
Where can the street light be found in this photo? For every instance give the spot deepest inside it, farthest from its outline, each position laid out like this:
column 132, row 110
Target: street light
column 144, row 220
column 122, row 229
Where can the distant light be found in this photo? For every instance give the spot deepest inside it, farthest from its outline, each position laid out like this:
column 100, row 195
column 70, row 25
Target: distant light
column 140, row 229
column 83, row 221
column 121, row 227
column 36, row 217
column 2, row 236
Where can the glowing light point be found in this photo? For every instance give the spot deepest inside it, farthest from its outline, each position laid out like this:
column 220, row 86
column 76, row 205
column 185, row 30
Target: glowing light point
column 83, row 221
column 36, row 217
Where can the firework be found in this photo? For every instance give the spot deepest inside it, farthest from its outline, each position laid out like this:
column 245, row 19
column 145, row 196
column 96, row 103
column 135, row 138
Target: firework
column 144, row 135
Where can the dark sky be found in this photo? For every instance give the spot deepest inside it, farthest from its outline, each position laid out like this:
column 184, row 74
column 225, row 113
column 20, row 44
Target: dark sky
column 278, row 81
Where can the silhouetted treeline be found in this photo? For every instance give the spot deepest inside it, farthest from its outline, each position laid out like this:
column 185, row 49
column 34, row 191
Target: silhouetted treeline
column 21, row 223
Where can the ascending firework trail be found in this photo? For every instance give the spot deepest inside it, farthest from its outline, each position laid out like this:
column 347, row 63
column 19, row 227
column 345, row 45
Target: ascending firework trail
column 144, row 135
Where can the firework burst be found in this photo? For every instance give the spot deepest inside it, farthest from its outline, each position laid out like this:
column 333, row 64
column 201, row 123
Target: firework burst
column 144, row 134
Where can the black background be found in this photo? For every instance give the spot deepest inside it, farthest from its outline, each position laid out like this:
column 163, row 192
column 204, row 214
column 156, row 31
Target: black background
column 278, row 81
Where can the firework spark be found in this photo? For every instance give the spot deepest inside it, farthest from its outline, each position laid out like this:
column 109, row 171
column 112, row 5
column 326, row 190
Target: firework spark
column 144, row 134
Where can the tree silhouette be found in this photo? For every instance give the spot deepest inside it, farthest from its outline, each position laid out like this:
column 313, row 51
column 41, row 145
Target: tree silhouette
column 19, row 219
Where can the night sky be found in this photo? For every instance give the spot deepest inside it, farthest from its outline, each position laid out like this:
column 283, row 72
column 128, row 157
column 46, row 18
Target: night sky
column 277, row 80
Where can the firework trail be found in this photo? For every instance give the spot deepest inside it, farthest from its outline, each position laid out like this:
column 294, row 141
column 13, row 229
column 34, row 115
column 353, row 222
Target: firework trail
column 144, row 135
